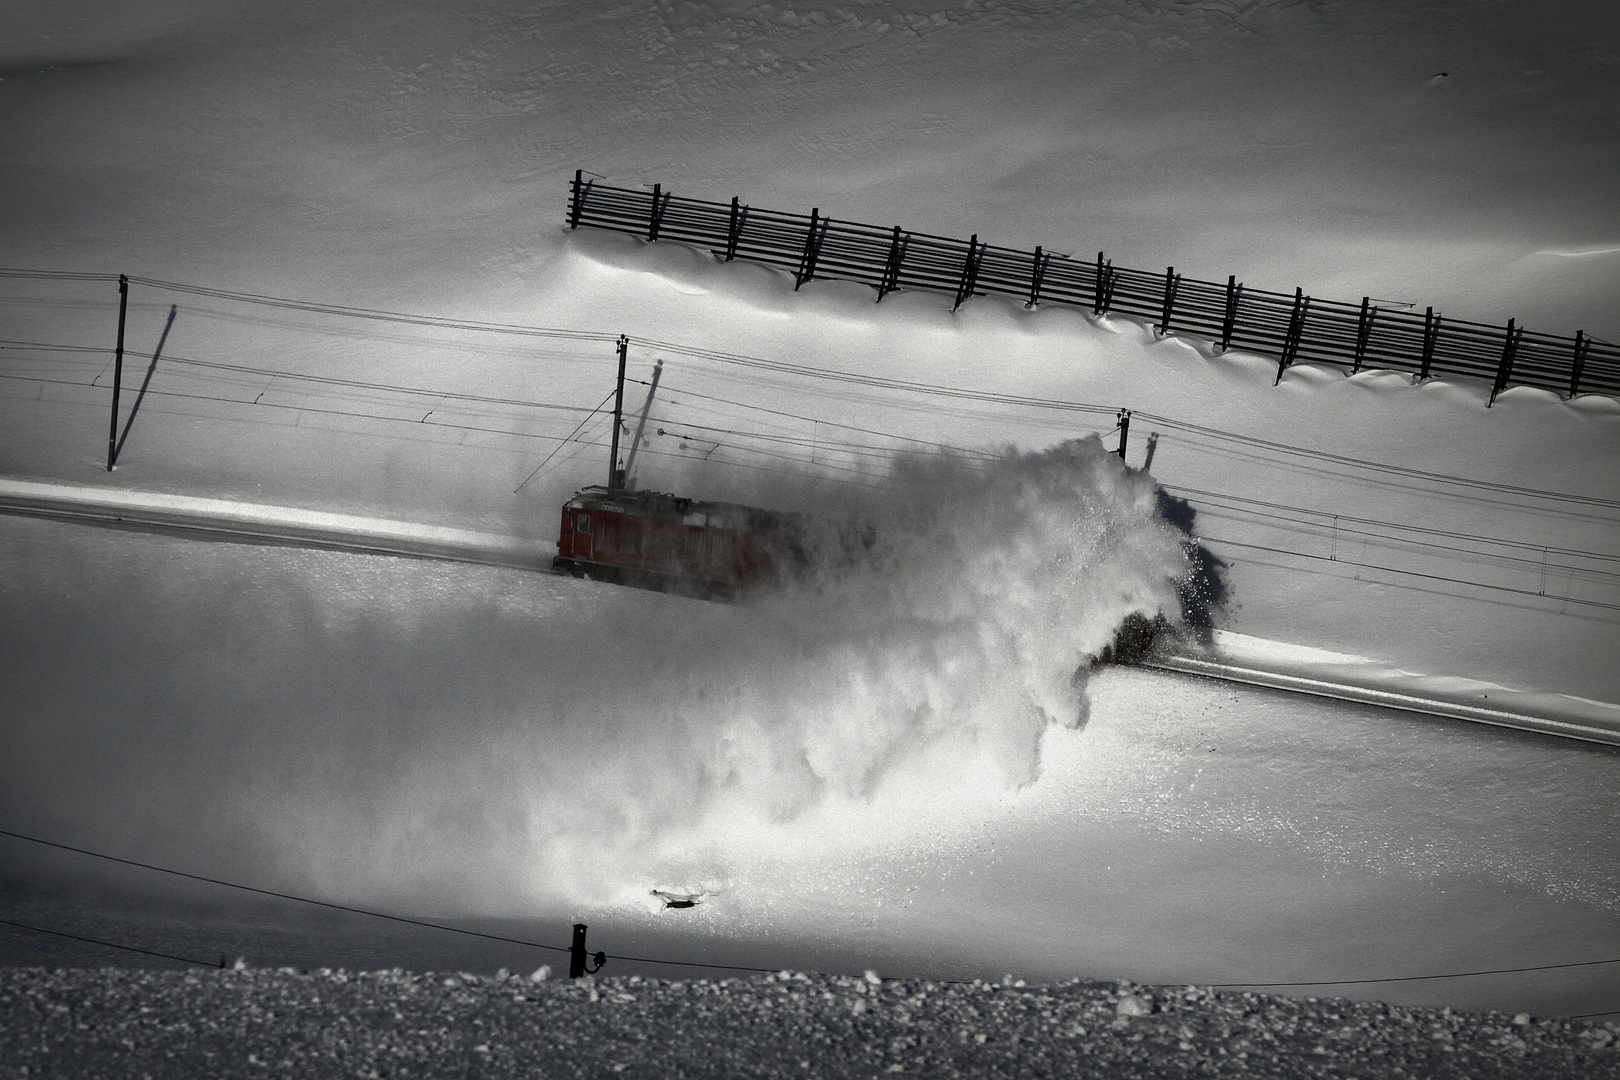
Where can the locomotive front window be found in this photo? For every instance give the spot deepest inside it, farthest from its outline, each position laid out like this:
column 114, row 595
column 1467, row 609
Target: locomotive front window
column 584, row 523
column 568, row 523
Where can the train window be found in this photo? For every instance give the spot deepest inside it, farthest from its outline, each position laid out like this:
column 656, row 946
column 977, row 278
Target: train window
column 568, row 523
column 584, row 523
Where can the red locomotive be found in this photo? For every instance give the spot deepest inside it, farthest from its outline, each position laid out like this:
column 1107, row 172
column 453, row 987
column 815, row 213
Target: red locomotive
column 658, row 541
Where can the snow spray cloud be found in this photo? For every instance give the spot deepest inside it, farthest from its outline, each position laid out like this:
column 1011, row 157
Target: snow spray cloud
column 466, row 739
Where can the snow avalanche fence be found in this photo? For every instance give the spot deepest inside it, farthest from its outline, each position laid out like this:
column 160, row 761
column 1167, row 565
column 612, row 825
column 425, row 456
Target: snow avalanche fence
column 1289, row 327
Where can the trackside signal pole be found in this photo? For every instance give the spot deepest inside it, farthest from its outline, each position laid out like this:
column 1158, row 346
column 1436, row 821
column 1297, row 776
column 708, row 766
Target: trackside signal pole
column 615, row 474
column 118, row 370
column 577, row 955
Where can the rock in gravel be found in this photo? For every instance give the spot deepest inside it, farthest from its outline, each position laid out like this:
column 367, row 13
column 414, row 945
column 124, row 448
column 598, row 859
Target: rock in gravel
column 250, row 1023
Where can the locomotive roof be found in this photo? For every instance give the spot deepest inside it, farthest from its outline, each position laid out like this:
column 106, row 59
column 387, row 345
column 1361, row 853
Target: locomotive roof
column 675, row 507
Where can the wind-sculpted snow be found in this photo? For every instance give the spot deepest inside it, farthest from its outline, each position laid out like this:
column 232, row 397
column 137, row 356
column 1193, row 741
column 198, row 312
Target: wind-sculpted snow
column 374, row 727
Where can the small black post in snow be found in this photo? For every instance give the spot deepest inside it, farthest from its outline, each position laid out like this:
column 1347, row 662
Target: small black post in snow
column 118, row 371
column 573, row 208
column 577, row 955
column 1097, row 290
column 1124, row 431
column 652, row 219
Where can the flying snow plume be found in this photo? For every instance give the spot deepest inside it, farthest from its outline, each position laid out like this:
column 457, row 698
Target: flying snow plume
column 493, row 741
column 959, row 627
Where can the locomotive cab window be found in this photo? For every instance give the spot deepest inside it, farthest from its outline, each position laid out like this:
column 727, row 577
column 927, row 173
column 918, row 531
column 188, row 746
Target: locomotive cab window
column 584, row 523
column 568, row 523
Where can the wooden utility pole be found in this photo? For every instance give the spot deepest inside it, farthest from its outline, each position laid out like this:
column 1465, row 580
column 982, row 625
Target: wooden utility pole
column 118, row 371
column 616, row 474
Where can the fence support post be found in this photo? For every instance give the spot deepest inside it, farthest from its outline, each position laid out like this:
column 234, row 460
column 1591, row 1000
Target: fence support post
column 1234, row 292
column 732, row 230
column 577, row 955
column 118, row 371
column 1580, row 361
column 1504, row 370
column 891, row 268
column 807, row 261
column 1431, row 332
column 1124, row 431
column 652, row 218
column 1172, row 281
column 1363, row 331
column 970, row 273
column 573, row 204
column 1296, row 327
column 1097, row 288
column 1036, row 270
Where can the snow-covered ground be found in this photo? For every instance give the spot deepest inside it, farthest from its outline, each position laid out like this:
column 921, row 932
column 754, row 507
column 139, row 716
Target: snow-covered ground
column 897, row 771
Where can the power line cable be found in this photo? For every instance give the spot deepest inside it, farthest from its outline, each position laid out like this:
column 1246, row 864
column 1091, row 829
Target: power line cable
column 375, row 314
column 673, row 390
column 1410, row 573
column 1424, row 530
column 388, row 387
column 692, row 963
column 653, row 960
column 857, row 450
column 856, row 472
column 55, row 275
column 1419, row 978
column 560, row 445
column 170, row 358
column 1378, row 466
column 108, row 944
column 307, row 408
column 772, row 971
column 280, row 895
column 1423, row 547
column 822, row 373
column 876, row 381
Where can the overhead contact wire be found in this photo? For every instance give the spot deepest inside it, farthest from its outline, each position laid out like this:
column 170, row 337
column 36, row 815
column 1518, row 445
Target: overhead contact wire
column 280, row 895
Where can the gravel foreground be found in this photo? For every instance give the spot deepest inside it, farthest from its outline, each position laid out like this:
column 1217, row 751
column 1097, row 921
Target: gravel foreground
column 130, row 1023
